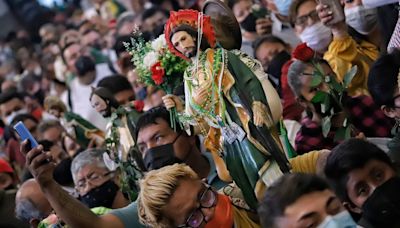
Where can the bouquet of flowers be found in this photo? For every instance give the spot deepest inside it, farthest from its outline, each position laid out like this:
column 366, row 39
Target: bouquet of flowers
column 337, row 91
column 157, row 66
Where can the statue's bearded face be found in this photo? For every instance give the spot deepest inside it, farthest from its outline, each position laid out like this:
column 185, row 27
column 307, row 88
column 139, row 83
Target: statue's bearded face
column 184, row 43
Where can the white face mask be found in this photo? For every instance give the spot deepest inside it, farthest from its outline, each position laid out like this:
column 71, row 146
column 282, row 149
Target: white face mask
column 361, row 19
column 317, row 37
column 10, row 117
column 340, row 220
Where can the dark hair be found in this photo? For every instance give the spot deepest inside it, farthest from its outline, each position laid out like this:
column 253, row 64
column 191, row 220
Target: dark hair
column 125, row 17
column 119, row 46
column 87, row 31
column 29, row 80
column 84, row 65
column 382, row 78
column 65, row 48
column 23, row 117
column 293, row 9
column 152, row 11
column 10, row 94
column 151, row 116
column 266, row 39
column 106, row 95
column 47, row 124
column 231, row 3
column 350, row 155
column 174, row 3
column 115, row 83
column 284, row 192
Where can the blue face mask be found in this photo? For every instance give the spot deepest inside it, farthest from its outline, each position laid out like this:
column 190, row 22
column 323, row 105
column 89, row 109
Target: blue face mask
column 340, row 220
column 141, row 95
column 283, row 6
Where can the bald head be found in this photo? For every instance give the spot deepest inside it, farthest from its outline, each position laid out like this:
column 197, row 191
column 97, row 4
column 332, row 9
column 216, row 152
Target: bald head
column 30, row 191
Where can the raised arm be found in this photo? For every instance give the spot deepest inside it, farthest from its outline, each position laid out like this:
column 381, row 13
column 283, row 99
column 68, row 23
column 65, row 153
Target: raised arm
column 70, row 210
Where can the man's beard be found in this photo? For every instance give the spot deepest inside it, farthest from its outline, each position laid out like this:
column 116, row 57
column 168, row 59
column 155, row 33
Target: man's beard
column 192, row 53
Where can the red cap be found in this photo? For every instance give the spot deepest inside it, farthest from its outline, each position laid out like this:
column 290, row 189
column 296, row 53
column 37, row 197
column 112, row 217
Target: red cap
column 5, row 167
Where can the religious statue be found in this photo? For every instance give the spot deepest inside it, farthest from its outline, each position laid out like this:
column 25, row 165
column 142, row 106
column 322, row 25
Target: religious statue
column 77, row 128
column 229, row 100
column 120, row 140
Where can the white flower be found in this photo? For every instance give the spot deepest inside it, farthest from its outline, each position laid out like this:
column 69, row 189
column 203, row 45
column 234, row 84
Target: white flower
column 150, row 59
column 159, row 43
column 255, row 8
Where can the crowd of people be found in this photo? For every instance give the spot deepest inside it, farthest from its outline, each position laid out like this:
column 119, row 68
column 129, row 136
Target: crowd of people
column 298, row 129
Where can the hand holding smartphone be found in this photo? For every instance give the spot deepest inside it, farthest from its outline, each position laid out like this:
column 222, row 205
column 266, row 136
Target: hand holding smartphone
column 24, row 134
column 337, row 10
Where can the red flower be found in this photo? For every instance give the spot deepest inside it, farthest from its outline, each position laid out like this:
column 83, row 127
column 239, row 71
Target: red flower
column 303, row 53
column 139, row 105
column 157, row 73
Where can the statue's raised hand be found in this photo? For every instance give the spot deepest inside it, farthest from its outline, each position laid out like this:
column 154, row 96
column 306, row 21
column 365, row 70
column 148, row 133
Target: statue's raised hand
column 172, row 101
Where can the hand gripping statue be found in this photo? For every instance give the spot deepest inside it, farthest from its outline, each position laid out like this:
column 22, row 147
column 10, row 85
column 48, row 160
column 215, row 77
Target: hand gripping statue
column 228, row 100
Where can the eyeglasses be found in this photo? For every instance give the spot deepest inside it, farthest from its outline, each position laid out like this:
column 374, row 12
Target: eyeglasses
column 208, row 199
column 302, row 20
column 94, row 179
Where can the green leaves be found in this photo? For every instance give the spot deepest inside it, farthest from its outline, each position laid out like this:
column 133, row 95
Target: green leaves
column 343, row 133
column 335, row 93
column 348, row 77
column 316, row 81
column 326, row 126
column 319, row 97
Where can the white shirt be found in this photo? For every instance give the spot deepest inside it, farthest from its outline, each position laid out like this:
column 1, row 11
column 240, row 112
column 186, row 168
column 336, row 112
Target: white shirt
column 80, row 98
column 284, row 31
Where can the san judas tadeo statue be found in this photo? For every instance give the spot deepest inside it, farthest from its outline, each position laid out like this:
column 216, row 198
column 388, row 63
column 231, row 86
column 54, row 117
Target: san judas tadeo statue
column 228, row 100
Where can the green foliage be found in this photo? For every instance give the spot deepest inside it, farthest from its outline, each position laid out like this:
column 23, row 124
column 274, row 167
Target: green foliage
column 138, row 48
column 348, row 77
column 336, row 92
column 130, row 172
column 326, row 126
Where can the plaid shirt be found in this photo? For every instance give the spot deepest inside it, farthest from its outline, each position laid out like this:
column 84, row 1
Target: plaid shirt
column 364, row 114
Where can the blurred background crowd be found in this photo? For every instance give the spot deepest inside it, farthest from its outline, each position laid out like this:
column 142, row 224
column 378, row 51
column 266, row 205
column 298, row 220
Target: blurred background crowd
column 53, row 53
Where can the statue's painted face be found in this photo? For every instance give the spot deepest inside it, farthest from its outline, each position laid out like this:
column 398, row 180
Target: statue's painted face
column 184, row 43
column 100, row 105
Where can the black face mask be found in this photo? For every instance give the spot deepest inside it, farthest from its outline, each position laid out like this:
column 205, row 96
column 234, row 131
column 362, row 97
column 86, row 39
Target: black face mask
column 249, row 24
column 382, row 208
column 160, row 156
column 102, row 196
column 274, row 69
column 62, row 173
column 39, row 95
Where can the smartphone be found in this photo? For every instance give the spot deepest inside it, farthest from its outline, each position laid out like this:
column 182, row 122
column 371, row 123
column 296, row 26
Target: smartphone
column 336, row 8
column 24, row 134
column 259, row 11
